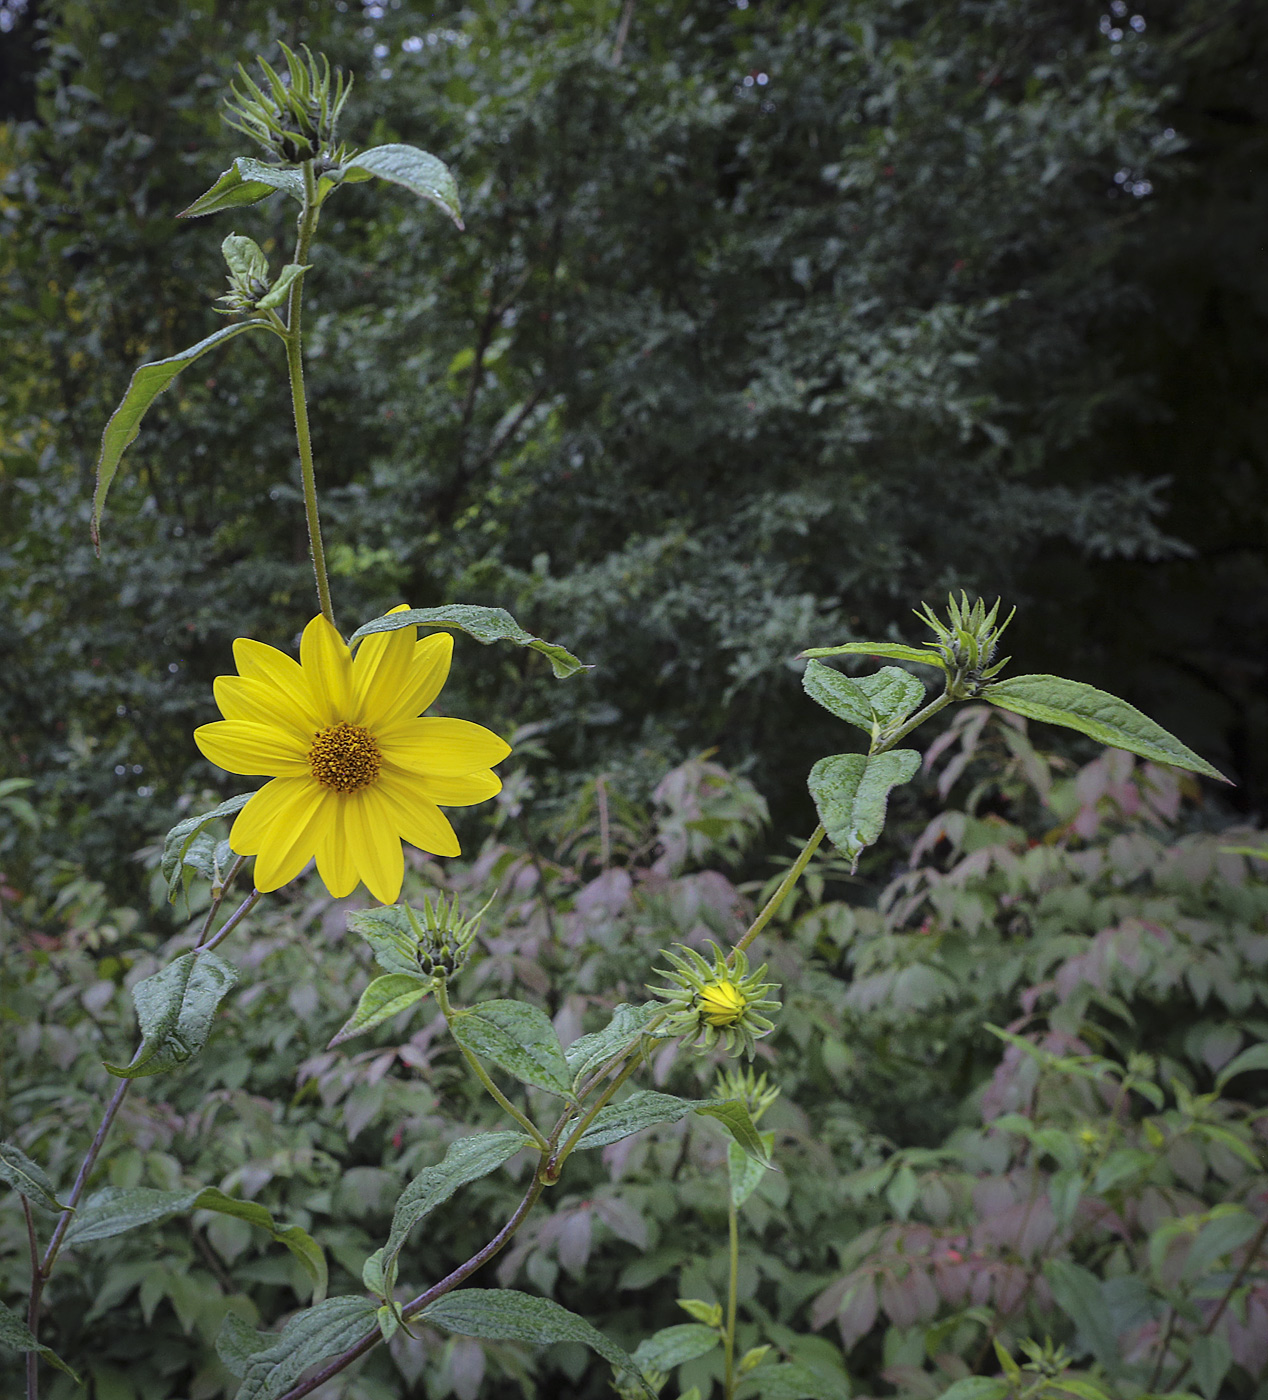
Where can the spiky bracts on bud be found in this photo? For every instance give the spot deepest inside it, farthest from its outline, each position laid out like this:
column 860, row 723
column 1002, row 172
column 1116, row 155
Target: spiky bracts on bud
column 296, row 118
column 966, row 642
column 749, row 1087
column 708, row 1004
column 443, row 937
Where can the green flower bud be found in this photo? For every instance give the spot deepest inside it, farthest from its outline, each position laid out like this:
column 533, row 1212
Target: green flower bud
column 752, row 1089
column 296, row 117
column 719, row 1003
column 443, row 937
column 967, row 643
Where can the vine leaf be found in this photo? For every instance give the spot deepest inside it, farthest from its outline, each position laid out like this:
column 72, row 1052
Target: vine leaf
column 486, row 625
column 147, row 383
column 1103, row 717
column 851, row 792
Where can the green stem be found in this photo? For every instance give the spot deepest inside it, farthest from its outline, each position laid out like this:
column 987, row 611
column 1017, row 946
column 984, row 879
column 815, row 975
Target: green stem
column 782, row 893
column 733, row 1287
column 915, row 722
column 295, row 368
column 442, row 997
column 554, row 1166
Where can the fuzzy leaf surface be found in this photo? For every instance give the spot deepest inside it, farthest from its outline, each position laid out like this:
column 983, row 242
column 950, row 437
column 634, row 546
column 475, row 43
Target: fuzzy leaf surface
column 175, row 1009
column 519, row 1039
column 891, row 651
column 417, row 171
column 591, row 1052
column 383, row 998
column 247, row 181
column 486, row 625
column 310, row 1337
column 177, row 843
column 645, row 1108
column 851, row 792
column 28, row 1178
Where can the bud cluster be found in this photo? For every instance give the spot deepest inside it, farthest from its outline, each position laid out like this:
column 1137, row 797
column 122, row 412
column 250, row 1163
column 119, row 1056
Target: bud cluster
column 296, row 118
column 250, row 286
column 967, row 643
column 443, row 937
column 747, row 1086
column 724, row 1002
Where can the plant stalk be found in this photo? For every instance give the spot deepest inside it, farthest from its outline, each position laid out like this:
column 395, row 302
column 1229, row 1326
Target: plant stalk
column 733, row 1288
column 782, row 893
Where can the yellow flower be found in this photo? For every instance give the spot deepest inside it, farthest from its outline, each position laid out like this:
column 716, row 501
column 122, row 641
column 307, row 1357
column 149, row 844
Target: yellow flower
column 721, row 1003
column 355, row 771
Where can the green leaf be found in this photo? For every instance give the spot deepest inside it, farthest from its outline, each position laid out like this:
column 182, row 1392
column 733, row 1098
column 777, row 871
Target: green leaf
column 1212, row 1357
column 245, row 258
column 1100, row 716
column 247, row 181
column 300, row 1243
column 175, row 1009
column 745, row 1171
column 28, row 1179
column 504, row 1315
column 592, row 1052
column 790, row 1380
column 517, row 1037
column 114, row 1210
column 672, row 1346
column 383, row 998
column 177, row 843
column 237, row 1342
column 886, row 698
column 1228, row 1228
column 15, row 1335
column 390, row 935
column 851, row 792
column 1256, row 1057
column 146, row 384
column 281, row 289
column 645, row 1108
column 708, row 1313
column 467, row 1160
column 1078, row 1294
column 308, row 1338
column 892, row 651
column 977, row 1388
column 486, row 625
column 414, row 169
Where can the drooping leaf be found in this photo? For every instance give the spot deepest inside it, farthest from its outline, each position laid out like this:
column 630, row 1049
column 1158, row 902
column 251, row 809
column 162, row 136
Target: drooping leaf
column 892, row 651
column 247, row 181
column 504, row 1315
column 645, row 1108
column 390, row 935
column 385, row 997
column 734, row 1116
column 851, row 792
column 486, row 625
column 517, row 1037
column 175, row 1009
column 467, row 1160
column 28, row 1178
column 592, row 1052
column 417, row 171
column 15, row 1335
column 146, row 384
column 745, row 1170
column 1077, row 1292
column 1103, row 717
column 310, row 1337
column 300, row 1243
column 177, row 843
column 672, row 1346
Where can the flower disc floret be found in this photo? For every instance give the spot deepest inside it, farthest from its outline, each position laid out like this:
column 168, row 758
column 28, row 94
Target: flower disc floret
column 354, row 769
column 723, row 1002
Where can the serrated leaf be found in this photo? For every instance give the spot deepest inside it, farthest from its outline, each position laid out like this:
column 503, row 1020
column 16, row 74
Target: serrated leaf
column 175, row 1009
column 672, row 1346
column 281, row 289
column 745, row 1171
column 15, row 1335
column 851, row 792
column 891, row 651
column 1103, row 717
column 467, row 1160
column 591, row 1052
column 390, row 935
column 519, row 1039
column 1077, row 1292
column 245, row 258
column 310, row 1337
column 486, row 625
column 385, row 997
column 179, row 840
column 416, row 170
column 146, row 384
column 247, row 181
column 504, row 1315
column 28, row 1179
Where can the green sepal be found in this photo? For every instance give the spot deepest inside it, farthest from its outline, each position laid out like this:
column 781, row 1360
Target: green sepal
column 416, row 170
column 1103, row 717
column 851, row 792
column 385, row 997
column 247, row 181
column 175, row 1008
column 146, row 384
column 486, row 625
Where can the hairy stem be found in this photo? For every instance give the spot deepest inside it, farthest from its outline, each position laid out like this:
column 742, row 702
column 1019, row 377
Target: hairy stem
column 442, row 997
column 732, row 1292
column 295, row 369
column 555, row 1165
column 784, row 890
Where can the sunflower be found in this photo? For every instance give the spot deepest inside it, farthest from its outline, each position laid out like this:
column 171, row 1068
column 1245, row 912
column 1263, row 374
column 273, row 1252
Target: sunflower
column 354, row 769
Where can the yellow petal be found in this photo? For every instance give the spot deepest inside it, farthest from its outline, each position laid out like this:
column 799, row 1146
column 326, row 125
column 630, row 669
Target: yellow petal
column 327, row 669
column 258, row 661
column 380, row 671
column 334, row 860
column 442, row 748
column 374, row 844
column 261, row 703
column 428, row 672
column 240, row 746
column 459, row 792
column 418, row 819
column 282, row 826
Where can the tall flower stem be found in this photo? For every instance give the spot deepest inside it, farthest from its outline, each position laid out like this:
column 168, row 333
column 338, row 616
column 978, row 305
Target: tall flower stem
column 295, row 368
column 732, row 1293
column 772, row 905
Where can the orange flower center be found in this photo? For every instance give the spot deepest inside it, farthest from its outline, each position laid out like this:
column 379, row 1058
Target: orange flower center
column 345, row 757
